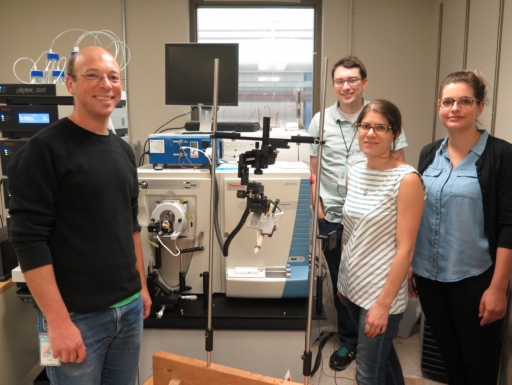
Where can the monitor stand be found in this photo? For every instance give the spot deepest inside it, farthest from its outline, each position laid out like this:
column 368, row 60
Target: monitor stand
column 205, row 118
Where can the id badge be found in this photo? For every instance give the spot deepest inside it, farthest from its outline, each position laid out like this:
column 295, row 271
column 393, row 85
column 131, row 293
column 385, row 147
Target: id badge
column 343, row 177
column 45, row 351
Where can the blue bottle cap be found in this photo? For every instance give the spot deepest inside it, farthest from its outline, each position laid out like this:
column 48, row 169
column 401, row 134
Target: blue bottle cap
column 50, row 56
column 58, row 73
column 36, row 73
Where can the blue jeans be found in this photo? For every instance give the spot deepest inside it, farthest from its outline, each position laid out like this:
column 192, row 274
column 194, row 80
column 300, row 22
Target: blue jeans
column 347, row 332
column 376, row 360
column 112, row 338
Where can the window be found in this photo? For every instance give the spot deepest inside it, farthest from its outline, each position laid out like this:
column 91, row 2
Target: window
column 277, row 60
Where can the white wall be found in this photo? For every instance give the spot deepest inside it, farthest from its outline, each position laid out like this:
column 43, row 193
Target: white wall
column 504, row 99
column 151, row 24
column 396, row 45
column 30, row 27
column 395, row 40
column 482, row 41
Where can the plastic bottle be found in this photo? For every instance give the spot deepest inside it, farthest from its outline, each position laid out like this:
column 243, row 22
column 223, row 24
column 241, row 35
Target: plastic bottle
column 52, row 63
column 36, row 77
column 58, row 77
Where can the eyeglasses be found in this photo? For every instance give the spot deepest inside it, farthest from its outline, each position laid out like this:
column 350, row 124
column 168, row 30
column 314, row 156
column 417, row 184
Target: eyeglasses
column 350, row 81
column 463, row 102
column 377, row 128
column 96, row 78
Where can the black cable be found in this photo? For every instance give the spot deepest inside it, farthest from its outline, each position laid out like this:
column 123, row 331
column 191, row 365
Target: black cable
column 216, row 224
column 318, row 360
column 172, row 128
column 144, row 152
column 141, row 162
column 235, row 232
column 141, row 159
column 1, row 199
column 176, row 117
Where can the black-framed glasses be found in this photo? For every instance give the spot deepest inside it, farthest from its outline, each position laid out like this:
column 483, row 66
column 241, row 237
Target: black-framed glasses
column 463, row 102
column 377, row 128
column 97, row 78
column 349, row 81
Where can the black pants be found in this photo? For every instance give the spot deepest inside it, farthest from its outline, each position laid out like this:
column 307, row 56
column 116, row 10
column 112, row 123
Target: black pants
column 471, row 352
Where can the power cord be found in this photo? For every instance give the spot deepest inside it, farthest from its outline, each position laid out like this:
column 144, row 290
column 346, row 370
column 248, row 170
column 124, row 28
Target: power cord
column 2, row 200
column 323, row 338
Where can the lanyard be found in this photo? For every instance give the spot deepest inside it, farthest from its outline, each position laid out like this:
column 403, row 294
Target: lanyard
column 345, row 142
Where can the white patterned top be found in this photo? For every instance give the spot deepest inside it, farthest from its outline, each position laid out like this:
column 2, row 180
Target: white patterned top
column 369, row 235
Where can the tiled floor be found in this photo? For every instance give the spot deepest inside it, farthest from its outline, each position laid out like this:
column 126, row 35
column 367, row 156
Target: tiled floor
column 408, row 350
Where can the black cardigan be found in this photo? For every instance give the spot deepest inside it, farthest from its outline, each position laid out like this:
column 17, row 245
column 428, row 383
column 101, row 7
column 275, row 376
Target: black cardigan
column 494, row 169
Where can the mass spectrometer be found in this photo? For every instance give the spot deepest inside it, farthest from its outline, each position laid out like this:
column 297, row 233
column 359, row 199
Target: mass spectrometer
column 277, row 267
column 174, row 211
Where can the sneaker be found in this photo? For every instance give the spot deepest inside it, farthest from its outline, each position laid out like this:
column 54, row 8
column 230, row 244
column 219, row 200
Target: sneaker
column 341, row 358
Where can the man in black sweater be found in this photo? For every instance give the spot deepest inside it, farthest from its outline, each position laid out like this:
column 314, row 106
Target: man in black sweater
column 75, row 230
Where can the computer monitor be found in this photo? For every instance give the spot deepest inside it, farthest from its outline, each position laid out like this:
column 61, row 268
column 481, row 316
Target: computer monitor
column 189, row 73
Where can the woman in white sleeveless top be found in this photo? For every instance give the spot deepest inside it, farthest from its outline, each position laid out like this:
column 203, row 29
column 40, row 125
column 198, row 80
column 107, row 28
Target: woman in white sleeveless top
column 381, row 217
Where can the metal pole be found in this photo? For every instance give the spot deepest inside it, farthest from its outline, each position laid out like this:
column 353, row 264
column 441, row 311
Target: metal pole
column 124, row 42
column 466, row 34
column 209, row 329
column 436, row 83
column 497, row 66
column 350, row 19
column 307, row 351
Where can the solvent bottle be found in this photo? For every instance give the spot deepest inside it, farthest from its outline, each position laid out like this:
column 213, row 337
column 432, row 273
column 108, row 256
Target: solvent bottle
column 58, row 77
column 52, row 63
column 36, row 77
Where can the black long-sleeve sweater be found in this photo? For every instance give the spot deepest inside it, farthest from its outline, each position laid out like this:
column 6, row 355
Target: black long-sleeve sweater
column 74, row 205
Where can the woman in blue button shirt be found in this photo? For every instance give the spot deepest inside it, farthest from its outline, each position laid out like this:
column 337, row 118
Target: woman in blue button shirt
column 463, row 253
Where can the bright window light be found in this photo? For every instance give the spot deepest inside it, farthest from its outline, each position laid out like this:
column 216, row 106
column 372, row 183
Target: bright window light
column 276, row 48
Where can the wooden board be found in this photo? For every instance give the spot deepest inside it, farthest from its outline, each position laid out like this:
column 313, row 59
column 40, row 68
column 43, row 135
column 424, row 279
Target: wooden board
column 172, row 369
column 408, row 381
column 414, row 381
column 4, row 285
